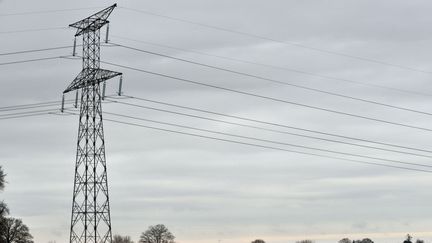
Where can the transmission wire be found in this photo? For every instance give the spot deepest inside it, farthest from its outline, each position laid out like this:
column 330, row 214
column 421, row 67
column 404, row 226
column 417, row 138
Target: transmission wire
column 303, row 72
column 278, row 131
column 365, row 59
column 267, row 97
column 275, row 81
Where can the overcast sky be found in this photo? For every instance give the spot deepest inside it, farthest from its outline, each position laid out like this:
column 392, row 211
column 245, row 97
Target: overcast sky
column 206, row 190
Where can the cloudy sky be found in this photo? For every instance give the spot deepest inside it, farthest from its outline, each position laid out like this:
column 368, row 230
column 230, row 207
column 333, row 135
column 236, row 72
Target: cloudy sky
column 206, row 190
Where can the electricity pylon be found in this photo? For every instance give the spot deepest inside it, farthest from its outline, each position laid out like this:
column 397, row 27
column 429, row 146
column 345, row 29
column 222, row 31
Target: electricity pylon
column 91, row 220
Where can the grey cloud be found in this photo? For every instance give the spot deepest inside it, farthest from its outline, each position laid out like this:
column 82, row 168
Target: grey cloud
column 207, row 190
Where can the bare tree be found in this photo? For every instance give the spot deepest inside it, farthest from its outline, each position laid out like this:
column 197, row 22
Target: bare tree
column 258, row 241
column 157, row 234
column 2, row 178
column 14, row 231
column 419, row 241
column 11, row 230
column 4, row 210
column 121, row 239
column 365, row 240
column 408, row 239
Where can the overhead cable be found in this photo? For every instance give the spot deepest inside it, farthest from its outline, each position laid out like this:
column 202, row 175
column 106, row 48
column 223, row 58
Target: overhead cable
column 276, row 81
column 269, row 98
column 284, row 42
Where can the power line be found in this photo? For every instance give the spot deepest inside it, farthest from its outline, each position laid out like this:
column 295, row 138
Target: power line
column 22, row 116
column 303, row 72
column 45, row 112
column 240, row 142
column 26, row 112
column 366, row 59
column 57, row 103
column 35, row 50
column 278, row 124
column 31, row 60
column 276, row 81
column 233, row 141
column 35, row 106
column 271, row 130
column 42, row 50
column 27, row 105
column 327, row 134
column 32, row 30
column 42, row 105
column 45, row 11
column 270, row 141
column 52, row 103
column 269, row 98
column 29, row 114
column 266, row 147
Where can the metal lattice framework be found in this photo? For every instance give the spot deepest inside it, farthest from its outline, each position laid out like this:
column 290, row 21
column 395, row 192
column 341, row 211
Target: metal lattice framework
column 91, row 220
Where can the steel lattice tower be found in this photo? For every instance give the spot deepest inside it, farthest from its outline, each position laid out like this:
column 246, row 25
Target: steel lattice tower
column 91, row 220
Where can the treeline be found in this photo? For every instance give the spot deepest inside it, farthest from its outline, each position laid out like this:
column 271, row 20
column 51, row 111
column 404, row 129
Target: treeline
column 367, row 240
column 347, row 240
column 12, row 230
column 160, row 234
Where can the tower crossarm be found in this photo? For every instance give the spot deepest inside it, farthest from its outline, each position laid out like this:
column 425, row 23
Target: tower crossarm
column 93, row 22
column 89, row 77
